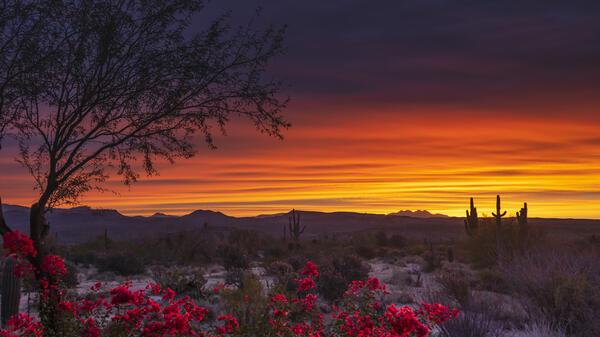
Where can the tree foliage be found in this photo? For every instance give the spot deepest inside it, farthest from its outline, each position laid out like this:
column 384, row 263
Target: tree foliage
column 125, row 83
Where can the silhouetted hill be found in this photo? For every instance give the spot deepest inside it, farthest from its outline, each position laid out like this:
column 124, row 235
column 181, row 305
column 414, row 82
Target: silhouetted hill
column 419, row 214
column 82, row 223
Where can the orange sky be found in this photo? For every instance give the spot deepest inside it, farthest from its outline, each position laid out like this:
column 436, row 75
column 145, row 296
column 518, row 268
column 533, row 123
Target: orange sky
column 400, row 105
column 376, row 159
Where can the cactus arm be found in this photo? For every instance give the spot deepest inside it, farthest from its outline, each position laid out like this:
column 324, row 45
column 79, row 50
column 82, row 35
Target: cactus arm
column 503, row 214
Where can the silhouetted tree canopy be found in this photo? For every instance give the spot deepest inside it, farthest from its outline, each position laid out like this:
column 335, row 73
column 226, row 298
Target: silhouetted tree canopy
column 124, row 83
column 23, row 52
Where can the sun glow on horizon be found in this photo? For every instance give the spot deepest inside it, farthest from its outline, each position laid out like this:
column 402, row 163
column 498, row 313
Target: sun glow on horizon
column 375, row 162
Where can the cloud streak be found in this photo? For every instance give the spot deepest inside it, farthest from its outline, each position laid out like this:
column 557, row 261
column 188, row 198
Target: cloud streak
column 401, row 104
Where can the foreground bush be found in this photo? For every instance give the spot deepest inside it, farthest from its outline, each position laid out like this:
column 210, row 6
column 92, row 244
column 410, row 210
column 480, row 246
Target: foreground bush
column 153, row 311
column 564, row 287
column 183, row 280
column 338, row 272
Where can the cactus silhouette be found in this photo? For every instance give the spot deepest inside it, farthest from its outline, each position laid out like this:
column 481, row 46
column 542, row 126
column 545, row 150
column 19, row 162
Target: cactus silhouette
column 11, row 291
column 524, row 239
column 522, row 216
column 471, row 222
column 498, row 215
column 294, row 225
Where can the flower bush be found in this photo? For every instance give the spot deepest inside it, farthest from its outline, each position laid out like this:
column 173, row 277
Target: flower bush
column 153, row 311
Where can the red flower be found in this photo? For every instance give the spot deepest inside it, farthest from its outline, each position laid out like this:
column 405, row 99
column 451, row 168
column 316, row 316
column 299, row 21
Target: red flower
column 18, row 244
column 310, row 269
column 53, row 265
column 305, row 284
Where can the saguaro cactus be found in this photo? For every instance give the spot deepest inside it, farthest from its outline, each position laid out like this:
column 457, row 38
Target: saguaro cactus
column 522, row 216
column 294, row 225
column 471, row 222
column 11, row 291
column 498, row 215
column 524, row 239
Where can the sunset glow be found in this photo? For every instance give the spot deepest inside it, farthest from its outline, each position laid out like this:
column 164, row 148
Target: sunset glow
column 414, row 106
column 376, row 161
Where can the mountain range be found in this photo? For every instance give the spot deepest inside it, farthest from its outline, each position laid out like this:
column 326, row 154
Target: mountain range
column 82, row 223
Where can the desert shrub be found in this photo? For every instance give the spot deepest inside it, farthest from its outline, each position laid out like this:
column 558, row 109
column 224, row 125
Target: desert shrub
column 397, row 241
column 156, row 311
column 249, row 304
column 234, row 276
column 279, row 268
column 540, row 328
column 366, row 252
column 297, row 261
column 562, row 286
column 471, row 324
column 84, row 258
column 183, row 280
column 491, row 279
column 245, row 239
column 70, row 280
column 190, row 247
column 432, row 258
column 482, row 247
column 337, row 273
column 457, row 286
column 274, row 252
column 381, row 239
column 233, row 257
column 122, row 264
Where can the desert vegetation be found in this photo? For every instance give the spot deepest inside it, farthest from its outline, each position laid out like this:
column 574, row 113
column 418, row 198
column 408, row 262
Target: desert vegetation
column 254, row 284
column 96, row 89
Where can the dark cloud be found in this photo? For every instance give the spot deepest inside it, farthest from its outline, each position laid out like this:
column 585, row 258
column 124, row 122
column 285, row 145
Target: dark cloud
column 435, row 51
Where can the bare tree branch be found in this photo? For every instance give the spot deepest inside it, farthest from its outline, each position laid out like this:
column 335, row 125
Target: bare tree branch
column 129, row 84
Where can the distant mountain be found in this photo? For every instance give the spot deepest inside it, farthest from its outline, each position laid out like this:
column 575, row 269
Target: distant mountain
column 419, row 214
column 83, row 223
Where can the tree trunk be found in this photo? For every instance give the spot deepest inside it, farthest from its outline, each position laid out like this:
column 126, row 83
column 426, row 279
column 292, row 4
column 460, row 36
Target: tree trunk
column 48, row 305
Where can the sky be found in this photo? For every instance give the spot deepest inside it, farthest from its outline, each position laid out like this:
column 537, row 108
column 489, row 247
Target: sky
column 400, row 105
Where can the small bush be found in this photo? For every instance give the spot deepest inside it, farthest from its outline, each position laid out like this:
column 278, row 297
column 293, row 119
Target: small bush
column 492, row 279
column 470, row 324
column 280, row 269
column 122, row 264
column 381, row 239
column 366, row 252
column 297, row 261
column 562, row 286
column 70, row 280
column 245, row 239
column 540, row 329
column 336, row 274
column 457, row 286
column 183, row 280
column 234, row 276
column 397, row 241
column 233, row 257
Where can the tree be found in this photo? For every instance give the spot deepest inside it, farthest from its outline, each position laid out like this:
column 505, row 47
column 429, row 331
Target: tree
column 123, row 83
column 23, row 51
